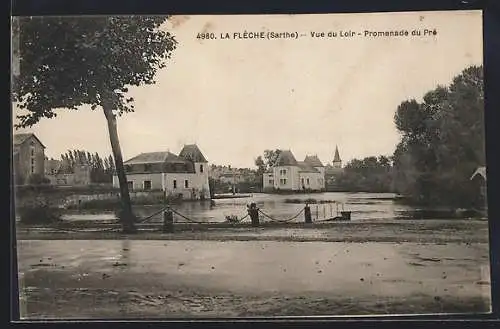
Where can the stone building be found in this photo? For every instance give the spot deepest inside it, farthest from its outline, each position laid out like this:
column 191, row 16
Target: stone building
column 28, row 157
column 183, row 175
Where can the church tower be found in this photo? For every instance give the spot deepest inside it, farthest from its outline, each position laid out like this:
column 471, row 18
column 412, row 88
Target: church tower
column 337, row 163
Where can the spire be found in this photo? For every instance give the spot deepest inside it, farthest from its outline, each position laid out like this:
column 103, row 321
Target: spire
column 336, row 157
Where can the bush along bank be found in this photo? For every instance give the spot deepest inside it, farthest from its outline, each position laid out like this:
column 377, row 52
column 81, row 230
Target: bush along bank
column 39, row 212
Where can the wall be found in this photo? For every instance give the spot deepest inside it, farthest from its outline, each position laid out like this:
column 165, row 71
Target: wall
column 314, row 183
column 138, row 179
column 81, row 176
column 23, row 163
column 291, row 176
column 76, row 198
column 265, row 181
column 159, row 181
column 198, row 182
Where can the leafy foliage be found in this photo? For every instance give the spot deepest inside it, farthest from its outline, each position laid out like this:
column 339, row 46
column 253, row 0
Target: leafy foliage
column 371, row 174
column 442, row 143
column 67, row 62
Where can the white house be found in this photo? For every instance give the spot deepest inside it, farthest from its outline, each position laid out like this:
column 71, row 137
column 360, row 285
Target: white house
column 288, row 174
column 185, row 174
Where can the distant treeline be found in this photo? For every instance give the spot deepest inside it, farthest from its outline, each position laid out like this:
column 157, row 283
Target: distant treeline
column 442, row 143
column 371, row 174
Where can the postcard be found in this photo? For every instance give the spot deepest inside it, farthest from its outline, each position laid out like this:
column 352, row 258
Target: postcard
column 238, row 166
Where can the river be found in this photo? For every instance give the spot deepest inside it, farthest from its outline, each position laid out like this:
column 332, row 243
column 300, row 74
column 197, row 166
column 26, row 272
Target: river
column 363, row 206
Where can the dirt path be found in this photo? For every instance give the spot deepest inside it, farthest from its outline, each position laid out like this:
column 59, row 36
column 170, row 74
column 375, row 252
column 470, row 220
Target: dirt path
column 137, row 279
column 417, row 231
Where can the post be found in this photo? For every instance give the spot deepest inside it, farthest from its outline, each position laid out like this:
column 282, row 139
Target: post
column 253, row 212
column 168, row 221
column 307, row 214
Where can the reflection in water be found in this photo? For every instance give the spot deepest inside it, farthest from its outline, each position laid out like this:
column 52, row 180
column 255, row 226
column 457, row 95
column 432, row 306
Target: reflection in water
column 363, row 206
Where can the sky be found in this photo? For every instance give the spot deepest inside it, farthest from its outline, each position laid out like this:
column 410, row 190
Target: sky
column 235, row 98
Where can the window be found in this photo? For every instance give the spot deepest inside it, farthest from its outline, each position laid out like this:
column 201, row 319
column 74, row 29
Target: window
column 130, row 185
column 175, row 183
column 201, row 168
column 307, row 181
column 284, row 181
column 147, row 167
column 302, row 180
column 271, row 182
column 186, row 183
column 147, row 185
column 32, row 165
column 32, row 151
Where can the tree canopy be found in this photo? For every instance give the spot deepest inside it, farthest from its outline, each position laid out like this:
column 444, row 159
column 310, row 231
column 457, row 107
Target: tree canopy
column 371, row 174
column 442, row 143
column 66, row 62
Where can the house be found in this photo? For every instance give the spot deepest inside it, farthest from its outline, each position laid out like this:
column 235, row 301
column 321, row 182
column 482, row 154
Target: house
column 288, row 174
column 59, row 172
column 185, row 174
column 28, row 157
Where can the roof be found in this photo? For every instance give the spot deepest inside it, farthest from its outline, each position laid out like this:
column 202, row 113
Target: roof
column 286, row 158
column 336, row 157
column 193, row 153
column 19, row 139
column 479, row 171
column 313, row 160
column 306, row 167
column 154, row 157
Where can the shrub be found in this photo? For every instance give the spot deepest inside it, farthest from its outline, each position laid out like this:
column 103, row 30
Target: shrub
column 39, row 214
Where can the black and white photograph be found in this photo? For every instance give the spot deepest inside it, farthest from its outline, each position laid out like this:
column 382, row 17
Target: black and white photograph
column 242, row 166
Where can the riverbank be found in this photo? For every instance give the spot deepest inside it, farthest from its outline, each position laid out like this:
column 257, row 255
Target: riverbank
column 418, row 231
column 90, row 279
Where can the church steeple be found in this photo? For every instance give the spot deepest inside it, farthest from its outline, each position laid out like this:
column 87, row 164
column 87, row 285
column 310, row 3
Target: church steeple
column 337, row 162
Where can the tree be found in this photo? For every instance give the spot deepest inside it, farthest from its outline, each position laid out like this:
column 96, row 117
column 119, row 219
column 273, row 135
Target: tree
column 442, row 143
column 261, row 165
column 70, row 62
column 371, row 174
column 271, row 156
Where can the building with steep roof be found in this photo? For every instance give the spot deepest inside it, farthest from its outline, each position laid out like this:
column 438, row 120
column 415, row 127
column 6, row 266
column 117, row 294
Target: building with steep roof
column 185, row 174
column 333, row 171
column 28, row 157
column 288, row 174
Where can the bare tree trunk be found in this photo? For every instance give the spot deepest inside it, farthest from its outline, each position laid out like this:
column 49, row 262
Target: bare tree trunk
column 126, row 217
